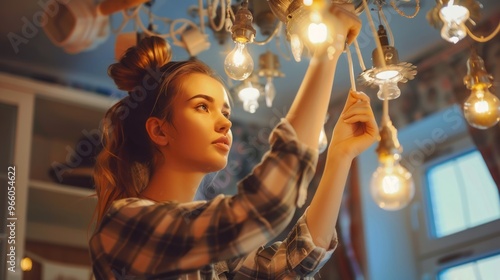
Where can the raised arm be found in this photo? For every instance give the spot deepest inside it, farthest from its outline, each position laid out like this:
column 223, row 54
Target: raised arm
column 308, row 110
column 354, row 132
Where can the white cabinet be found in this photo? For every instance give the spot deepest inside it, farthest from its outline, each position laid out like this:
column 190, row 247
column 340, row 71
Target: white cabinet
column 54, row 128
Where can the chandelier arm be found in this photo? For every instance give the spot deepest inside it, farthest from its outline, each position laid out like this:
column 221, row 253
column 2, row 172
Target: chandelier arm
column 230, row 11
column 174, row 32
column 286, row 56
column 144, row 29
column 351, row 68
column 202, row 16
column 483, row 39
column 213, row 25
column 126, row 18
column 401, row 13
column 360, row 56
column 271, row 36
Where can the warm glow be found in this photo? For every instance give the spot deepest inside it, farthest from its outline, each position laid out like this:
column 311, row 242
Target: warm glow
column 482, row 109
column 317, row 30
column 297, row 47
column 249, row 95
column 238, row 64
column 392, row 186
column 323, row 141
column 454, row 13
column 26, row 264
column 453, row 17
column 308, row 2
column 386, row 74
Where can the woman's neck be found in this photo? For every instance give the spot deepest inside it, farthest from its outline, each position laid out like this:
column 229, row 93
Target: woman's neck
column 168, row 184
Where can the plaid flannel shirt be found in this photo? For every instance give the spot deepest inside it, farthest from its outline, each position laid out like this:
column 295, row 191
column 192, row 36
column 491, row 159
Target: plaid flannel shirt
column 222, row 238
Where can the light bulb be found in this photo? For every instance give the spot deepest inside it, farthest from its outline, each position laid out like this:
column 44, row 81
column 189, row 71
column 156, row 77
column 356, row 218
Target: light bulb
column 389, row 90
column 270, row 92
column 323, row 141
column 454, row 17
column 26, row 264
column 238, row 64
column 317, row 31
column 297, row 47
column 453, row 32
column 392, row 186
column 482, row 109
column 249, row 96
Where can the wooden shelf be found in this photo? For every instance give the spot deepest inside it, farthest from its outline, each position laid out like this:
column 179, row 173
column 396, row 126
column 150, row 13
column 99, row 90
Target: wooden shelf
column 62, row 189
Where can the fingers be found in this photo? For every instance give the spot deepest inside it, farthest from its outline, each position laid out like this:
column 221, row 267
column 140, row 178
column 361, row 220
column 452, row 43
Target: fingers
column 355, row 97
column 345, row 13
column 357, row 108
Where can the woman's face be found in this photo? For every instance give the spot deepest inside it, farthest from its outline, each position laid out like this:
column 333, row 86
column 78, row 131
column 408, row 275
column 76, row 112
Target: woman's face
column 200, row 137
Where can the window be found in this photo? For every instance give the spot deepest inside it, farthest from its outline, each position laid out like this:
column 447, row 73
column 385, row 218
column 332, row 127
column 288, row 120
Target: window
column 481, row 269
column 457, row 215
column 462, row 194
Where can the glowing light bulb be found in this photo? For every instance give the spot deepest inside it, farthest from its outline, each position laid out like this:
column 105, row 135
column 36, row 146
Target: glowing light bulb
column 270, row 92
column 389, row 90
column 323, row 141
column 454, row 17
column 482, row 109
column 297, row 47
column 238, row 64
column 392, row 186
column 308, row 2
column 249, row 95
column 26, row 264
column 317, row 31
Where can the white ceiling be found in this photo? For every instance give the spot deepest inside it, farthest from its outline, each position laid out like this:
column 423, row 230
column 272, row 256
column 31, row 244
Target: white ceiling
column 413, row 38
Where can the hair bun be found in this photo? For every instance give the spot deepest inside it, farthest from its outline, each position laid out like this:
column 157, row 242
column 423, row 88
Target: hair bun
column 149, row 55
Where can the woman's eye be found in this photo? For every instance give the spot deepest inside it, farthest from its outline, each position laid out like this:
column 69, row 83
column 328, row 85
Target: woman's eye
column 203, row 107
column 227, row 115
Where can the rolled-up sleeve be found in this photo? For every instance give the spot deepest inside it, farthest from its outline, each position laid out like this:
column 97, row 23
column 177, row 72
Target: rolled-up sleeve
column 295, row 257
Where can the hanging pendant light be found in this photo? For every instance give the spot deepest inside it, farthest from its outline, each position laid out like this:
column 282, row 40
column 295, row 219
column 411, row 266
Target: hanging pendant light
column 269, row 68
column 392, row 186
column 387, row 70
column 238, row 64
column 482, row 108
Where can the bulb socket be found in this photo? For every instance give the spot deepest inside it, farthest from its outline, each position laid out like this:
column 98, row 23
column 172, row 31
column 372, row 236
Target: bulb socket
column 242, row 30
column 388, row 148
column 269, row 65
column 390, row 53
column 477, row 77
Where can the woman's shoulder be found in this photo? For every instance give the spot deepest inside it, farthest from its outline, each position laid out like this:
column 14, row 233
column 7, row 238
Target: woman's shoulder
column 136, row 205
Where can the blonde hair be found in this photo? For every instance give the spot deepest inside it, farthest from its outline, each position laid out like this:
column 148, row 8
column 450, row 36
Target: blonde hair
column 127, row 160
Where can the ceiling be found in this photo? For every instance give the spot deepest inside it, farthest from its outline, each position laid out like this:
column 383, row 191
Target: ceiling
column 35, row 55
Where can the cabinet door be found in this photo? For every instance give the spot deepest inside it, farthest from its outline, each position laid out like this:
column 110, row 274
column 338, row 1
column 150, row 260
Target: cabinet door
column 16, row 118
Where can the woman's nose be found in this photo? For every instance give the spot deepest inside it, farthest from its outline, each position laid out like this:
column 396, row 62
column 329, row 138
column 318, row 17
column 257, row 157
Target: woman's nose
column 224, row 124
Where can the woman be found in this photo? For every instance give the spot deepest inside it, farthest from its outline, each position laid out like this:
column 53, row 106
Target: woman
column 173, row 128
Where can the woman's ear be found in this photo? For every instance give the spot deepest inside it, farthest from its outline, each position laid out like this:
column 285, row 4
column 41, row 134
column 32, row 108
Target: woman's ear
column 157, row 131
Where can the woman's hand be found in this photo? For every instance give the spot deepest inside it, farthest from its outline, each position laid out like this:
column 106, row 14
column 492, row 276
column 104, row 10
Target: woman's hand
column 356, row 128
column 344, row 26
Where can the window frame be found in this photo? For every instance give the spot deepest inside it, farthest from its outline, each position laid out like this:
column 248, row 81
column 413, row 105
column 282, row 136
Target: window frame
column 457, row 248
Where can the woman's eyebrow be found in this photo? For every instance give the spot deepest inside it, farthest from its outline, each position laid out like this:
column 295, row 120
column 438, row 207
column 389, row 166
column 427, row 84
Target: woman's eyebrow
column 209, row 99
